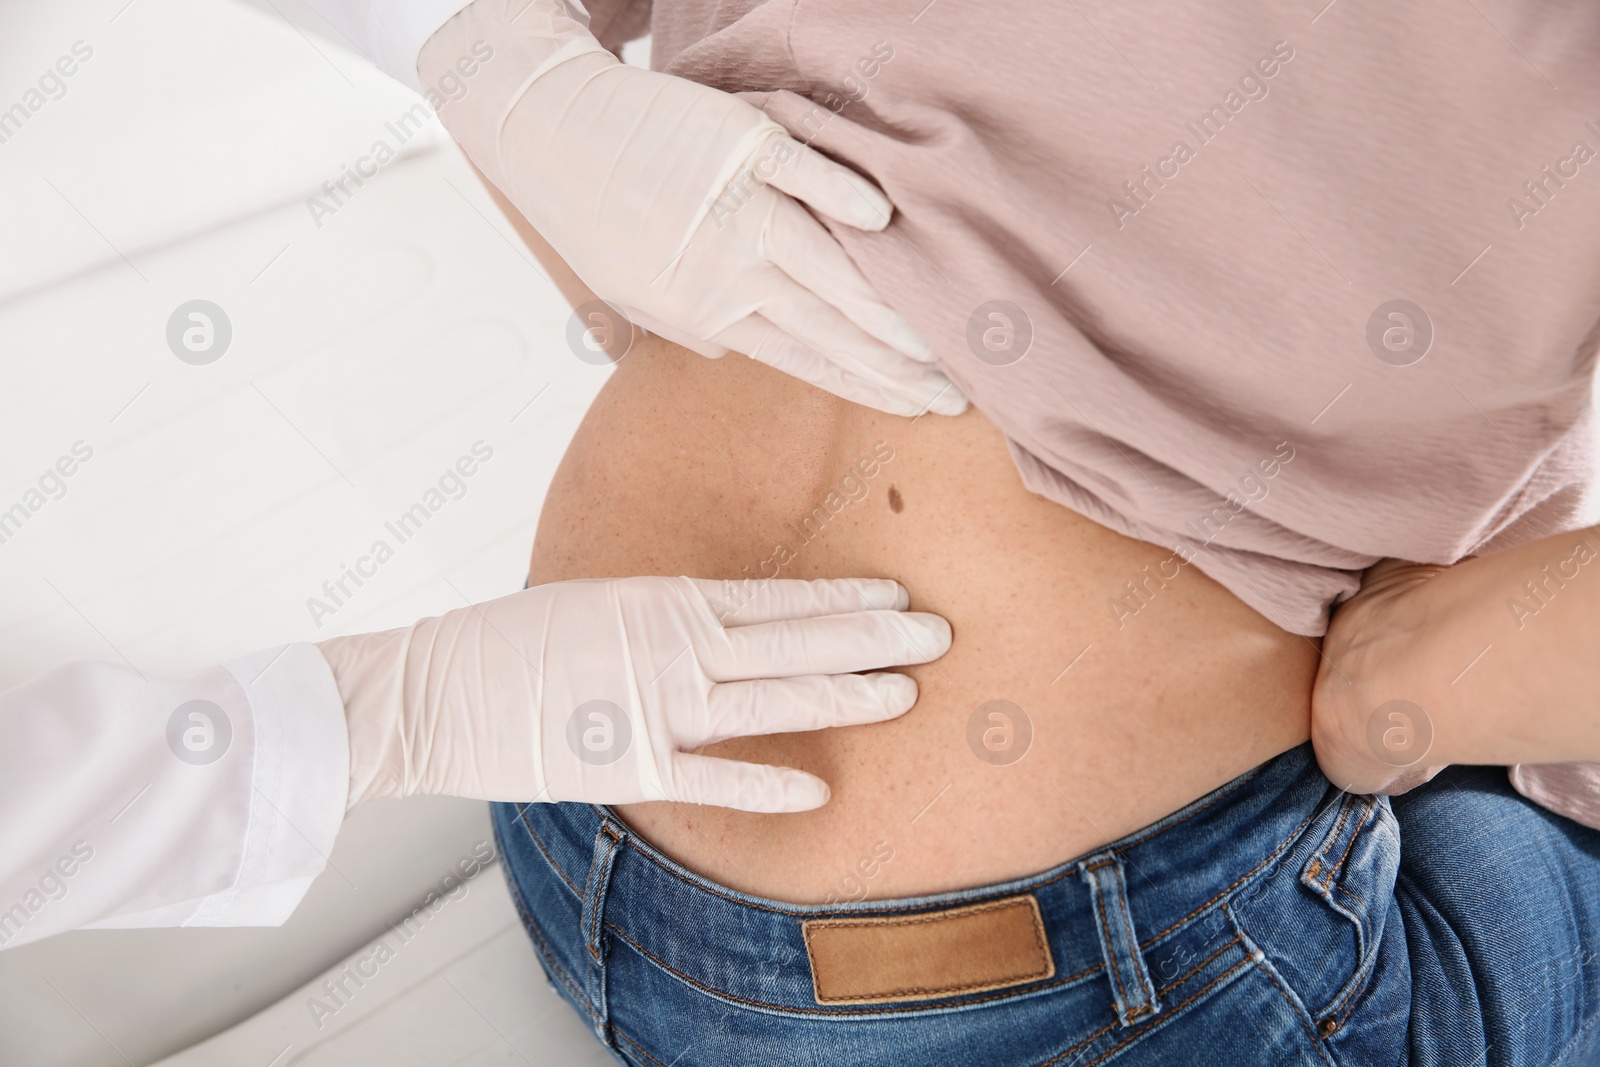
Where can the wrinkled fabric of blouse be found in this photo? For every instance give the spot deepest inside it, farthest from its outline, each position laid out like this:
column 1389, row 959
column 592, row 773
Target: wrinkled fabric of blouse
column 1284, row 287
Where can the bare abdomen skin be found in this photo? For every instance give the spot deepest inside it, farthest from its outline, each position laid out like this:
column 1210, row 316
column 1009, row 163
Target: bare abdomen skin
column 726, row 469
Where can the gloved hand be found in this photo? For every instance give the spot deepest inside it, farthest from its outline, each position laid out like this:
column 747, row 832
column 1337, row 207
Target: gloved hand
column 596, row 690
column 680, row 204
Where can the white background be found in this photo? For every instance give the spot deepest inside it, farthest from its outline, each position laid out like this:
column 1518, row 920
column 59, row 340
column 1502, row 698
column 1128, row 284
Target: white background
column 367, row 355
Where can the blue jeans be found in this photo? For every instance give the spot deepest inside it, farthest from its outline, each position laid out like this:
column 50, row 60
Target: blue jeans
column 1276, row 921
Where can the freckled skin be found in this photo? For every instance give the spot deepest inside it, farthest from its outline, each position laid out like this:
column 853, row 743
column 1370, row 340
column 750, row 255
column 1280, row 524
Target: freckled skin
column 686, row 465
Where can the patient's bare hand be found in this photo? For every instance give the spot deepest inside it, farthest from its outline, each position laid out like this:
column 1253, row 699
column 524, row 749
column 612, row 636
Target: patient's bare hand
column 1369, row 720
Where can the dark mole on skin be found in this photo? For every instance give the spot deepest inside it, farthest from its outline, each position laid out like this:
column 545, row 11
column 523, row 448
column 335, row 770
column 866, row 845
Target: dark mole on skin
column 896, row 504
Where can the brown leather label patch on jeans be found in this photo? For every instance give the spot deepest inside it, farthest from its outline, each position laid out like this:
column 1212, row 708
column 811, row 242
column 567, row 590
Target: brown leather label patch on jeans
column 884, row 959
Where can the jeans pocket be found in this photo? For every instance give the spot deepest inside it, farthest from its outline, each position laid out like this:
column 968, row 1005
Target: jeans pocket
column 1353, row 873
column 1318, row 917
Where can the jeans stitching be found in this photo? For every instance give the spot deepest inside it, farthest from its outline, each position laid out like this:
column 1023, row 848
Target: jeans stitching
column 543, row 947
column 812, row 1013
column 912, row 920
column 640, row 1049
column 1346, row 891
column 1110, row 949
column 1171, row 1013
column 1572, row 1042
column 1340, row 1009
column 590, row 909
column 1331, row 840
column 1221, row 794
column 1085, row 1043
column 1137, row 962
column 601, row 865
column 1176, row 982
column 1036, row 925
column 1058, row 982
column 1299, row 1013
column 1196, row 969
column 522, row 816
column 1053, row 1060
column 709, row 888
column 1356, row 832
column 548, row 955
column 1366, row 806
column 1283, row 846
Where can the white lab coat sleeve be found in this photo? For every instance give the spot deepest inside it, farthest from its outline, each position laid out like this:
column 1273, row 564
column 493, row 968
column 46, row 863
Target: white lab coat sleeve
column 391, row 33
column 130, row 801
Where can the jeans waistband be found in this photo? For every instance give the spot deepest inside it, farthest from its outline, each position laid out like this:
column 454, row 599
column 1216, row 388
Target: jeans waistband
column 1128, row 912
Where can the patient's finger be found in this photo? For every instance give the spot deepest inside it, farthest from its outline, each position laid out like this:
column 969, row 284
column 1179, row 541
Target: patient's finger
column 744, row 601
column 833, row 644
column 794, row 705
column 745, row 786
column 808, row 253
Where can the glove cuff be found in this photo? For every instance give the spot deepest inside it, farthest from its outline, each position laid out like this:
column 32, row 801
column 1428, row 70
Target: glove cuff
column 545, row 34
column 401, row 31
column 369, row 670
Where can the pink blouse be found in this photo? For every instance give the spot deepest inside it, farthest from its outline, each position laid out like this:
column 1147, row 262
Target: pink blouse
column 1283, row 287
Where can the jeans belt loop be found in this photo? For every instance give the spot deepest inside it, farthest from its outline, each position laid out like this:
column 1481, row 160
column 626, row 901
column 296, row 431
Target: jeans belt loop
column 1131, row 987
column 607, row 843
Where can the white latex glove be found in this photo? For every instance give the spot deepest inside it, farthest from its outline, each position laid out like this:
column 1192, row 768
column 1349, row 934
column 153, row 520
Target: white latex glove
column 597, row 690
column 680, row 204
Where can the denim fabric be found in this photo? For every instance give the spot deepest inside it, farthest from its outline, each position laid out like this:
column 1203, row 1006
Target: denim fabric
column 1276, row 921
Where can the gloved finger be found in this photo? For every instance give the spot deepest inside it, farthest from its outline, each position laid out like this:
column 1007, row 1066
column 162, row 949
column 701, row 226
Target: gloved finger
column 745, row 786
column 761, row 340
column 831, row 188
column 709, row 349
column 805, row 251
column 743, row 601
column 817, row 323
column 820, row 326
column 832, row 644
column 794, row 705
